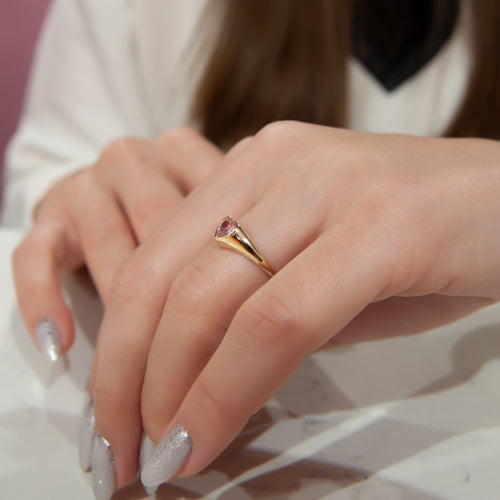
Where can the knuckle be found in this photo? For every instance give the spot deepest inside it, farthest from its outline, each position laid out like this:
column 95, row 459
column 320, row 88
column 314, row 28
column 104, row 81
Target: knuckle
column 276, row 132
column 119, row 147
column 192, row 292
column 179, row 138
column 119, row 152
column 267, row 320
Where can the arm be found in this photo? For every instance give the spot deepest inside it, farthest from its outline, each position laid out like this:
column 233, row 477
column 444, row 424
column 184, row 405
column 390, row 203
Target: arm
column 84, row 92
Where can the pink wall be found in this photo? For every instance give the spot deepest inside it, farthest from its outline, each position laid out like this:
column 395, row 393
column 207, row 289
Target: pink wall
column 19, row 25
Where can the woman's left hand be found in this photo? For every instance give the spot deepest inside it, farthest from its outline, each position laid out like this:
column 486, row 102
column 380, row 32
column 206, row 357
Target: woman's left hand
column 361, row 229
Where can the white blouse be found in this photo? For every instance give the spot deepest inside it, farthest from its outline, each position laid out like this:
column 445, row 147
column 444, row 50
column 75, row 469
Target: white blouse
column 105, row 69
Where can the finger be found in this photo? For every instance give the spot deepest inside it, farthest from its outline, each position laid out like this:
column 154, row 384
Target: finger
column 129, row 324
column 285, row 319
column 399, row 316
column 201, row 302
column 105, row 235
column 188, row 157
column 37, row 262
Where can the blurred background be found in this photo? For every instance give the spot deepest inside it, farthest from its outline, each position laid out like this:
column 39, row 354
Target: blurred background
column 20, row 22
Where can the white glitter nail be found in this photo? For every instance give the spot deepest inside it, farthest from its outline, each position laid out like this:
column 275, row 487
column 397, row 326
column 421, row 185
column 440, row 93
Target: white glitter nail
column 147, row 447
column 87, row 435
column 150, row 491
column 47, row 338
column 167, row 458
column 103, row 469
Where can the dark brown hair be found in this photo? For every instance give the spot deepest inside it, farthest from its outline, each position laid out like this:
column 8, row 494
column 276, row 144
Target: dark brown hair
column 286, row 59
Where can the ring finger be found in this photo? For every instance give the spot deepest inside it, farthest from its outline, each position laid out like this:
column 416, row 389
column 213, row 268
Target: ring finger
column 199, row 308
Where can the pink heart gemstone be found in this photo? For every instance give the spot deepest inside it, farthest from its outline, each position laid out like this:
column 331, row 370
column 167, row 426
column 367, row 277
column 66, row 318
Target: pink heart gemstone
column 225, row 227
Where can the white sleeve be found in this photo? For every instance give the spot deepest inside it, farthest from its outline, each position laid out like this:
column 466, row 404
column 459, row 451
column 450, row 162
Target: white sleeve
column 84, row 91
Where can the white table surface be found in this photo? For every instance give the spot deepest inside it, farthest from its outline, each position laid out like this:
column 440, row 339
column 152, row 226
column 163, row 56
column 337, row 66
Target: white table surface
column 414, row 419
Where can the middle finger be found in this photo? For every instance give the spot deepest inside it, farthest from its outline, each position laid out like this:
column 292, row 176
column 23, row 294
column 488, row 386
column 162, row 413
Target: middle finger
column 135, row 308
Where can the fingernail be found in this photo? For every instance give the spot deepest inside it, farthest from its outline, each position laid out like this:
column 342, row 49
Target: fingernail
column 167, row 458
column 87, row 435
column 150, row 491
column 47, row 339
column 103, row 469
column 147, row 447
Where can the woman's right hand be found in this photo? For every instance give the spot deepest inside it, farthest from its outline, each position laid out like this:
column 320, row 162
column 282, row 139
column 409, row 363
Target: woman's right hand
column 97, row 217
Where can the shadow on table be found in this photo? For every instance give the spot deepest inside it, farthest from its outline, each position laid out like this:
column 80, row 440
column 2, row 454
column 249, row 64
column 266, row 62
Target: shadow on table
column 469, row 355
column 344, row 464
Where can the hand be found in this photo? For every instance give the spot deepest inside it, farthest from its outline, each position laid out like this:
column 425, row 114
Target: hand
column 353, row 222
column 97, row 217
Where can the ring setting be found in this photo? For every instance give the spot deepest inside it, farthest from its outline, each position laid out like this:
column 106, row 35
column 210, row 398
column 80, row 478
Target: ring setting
column 229, row 234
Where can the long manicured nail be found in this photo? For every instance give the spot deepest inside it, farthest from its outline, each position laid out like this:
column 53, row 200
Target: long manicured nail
column 87, row 435
column 103, row 469
column 147, row 447
column 47, row 338
column 167, row 458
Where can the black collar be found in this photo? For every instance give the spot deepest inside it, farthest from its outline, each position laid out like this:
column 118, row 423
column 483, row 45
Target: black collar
column 394, row 39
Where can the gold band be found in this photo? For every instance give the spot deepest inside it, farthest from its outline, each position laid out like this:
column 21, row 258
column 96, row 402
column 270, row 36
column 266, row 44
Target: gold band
column 229, row 234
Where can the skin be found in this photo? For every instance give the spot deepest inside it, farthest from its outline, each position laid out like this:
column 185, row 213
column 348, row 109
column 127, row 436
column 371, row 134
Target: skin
column 372, row 235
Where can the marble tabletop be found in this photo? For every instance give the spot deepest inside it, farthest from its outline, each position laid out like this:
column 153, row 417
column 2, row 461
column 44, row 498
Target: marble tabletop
column 413, row 418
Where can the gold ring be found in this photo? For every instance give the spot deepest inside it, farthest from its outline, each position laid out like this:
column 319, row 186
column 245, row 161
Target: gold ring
column 230, row 234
